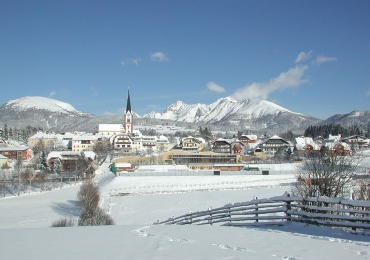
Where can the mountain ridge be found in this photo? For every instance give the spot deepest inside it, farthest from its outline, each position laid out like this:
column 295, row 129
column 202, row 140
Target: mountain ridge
column 225, row 114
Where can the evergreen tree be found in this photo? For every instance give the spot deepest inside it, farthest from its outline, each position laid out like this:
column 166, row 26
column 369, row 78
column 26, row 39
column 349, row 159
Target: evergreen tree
column 57, row 166
column 42, row 163
column 5, row 132
column 10, row 133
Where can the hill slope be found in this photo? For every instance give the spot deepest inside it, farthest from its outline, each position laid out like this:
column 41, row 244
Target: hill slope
column 352, row 118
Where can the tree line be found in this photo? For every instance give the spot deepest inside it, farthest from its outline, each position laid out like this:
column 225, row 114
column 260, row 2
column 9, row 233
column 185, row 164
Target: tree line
column 20, row 135
column 336, row 129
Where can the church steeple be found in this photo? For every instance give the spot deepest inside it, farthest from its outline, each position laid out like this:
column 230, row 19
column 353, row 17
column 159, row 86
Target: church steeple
column 128, row 108
column 128, row 120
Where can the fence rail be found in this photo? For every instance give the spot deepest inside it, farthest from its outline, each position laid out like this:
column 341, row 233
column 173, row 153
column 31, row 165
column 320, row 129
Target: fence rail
column 278, row 210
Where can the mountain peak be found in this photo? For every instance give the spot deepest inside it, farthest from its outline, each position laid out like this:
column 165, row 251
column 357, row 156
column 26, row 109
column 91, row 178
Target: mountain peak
column 37, row 102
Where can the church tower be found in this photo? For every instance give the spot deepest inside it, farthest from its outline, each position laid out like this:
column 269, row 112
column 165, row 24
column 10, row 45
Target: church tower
column 128, row 120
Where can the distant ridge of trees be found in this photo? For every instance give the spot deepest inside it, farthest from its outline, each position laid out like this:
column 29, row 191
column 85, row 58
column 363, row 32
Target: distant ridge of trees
column 336, row 129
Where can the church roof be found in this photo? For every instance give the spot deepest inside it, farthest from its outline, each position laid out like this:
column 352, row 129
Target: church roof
column 128, row 108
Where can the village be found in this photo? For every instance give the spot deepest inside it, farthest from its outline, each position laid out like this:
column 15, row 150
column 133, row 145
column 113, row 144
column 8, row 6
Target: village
column 129, row 149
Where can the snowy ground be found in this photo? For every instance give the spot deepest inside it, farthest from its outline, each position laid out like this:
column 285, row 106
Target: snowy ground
column 136, row 203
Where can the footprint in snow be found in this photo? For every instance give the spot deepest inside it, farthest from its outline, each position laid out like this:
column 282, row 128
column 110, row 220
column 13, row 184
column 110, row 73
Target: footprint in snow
column 178, row 240
column 287, row 257
column 362, row 253
column 235, row 248
column 142, row 232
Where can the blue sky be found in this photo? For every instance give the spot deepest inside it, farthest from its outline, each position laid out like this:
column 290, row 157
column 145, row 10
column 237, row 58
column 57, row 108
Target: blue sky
column 311, row 57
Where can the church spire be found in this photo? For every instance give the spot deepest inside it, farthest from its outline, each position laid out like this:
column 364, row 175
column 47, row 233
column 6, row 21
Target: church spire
column 128, row 119
column 128, row 108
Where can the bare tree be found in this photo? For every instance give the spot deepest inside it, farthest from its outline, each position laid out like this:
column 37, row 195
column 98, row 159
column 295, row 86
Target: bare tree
column 82, row 164
column 323, row 175
column 18, row 168
column 91, row 214
column 362, row 190
column 102, row 148
column 27, row 176
column 4, row 178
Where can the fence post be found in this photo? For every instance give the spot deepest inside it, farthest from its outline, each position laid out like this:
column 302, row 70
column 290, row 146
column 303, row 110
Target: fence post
column 256, row 211
column 210, row 214
column 229, row 211
column 190, row 217
column 288, row 207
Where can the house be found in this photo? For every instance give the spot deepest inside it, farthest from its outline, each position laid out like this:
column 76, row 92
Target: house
column 273, row 145
column 123, row 142
column 341, row 148
column 192, row 144
column 109, row 131
column 163, row 144
column 306, row 145
column 69, row 160
column 356, row 141
column 248, row 139
column 204, row 158
column 221, row 146
column 124, row 167
column 4, row 161
column 67, row 140
column 84, row 142
column 44, row 138
column 16, row 152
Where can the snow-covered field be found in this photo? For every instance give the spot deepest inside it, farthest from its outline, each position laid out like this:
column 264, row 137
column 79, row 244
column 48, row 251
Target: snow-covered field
column 136, row 203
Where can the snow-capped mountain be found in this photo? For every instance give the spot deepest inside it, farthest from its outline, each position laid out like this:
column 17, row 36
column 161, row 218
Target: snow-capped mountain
column 251, row 114
column 41, row 112
column 41, row 103
column 224, row 114
column 217, row 111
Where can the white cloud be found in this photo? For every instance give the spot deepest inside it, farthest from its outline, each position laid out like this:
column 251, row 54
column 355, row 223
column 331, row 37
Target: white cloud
column 136, row 61
column 303, row 56
column 129, row 61
column 321, row 59
column 52, row 94
column 158, row 56
column 261, row 90
column 215, row 87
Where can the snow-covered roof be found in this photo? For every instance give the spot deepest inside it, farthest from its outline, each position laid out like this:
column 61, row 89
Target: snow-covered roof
column 334, row 145
column 120, row 164
column 13, row 148
column 276, row 137
column 302, row 142
column 41, row 135
column 61, row 154
column 251, row 137
column 162, row 139
column 110, row 128
column 3, row 157
column 84, row 137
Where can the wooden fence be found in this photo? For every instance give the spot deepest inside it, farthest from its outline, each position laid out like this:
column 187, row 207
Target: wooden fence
column 278, row 210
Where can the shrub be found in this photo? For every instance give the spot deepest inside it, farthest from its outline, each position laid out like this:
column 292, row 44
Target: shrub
column 63, row 222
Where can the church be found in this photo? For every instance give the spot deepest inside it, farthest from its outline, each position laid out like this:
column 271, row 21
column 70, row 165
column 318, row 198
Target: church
column 124, row 138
